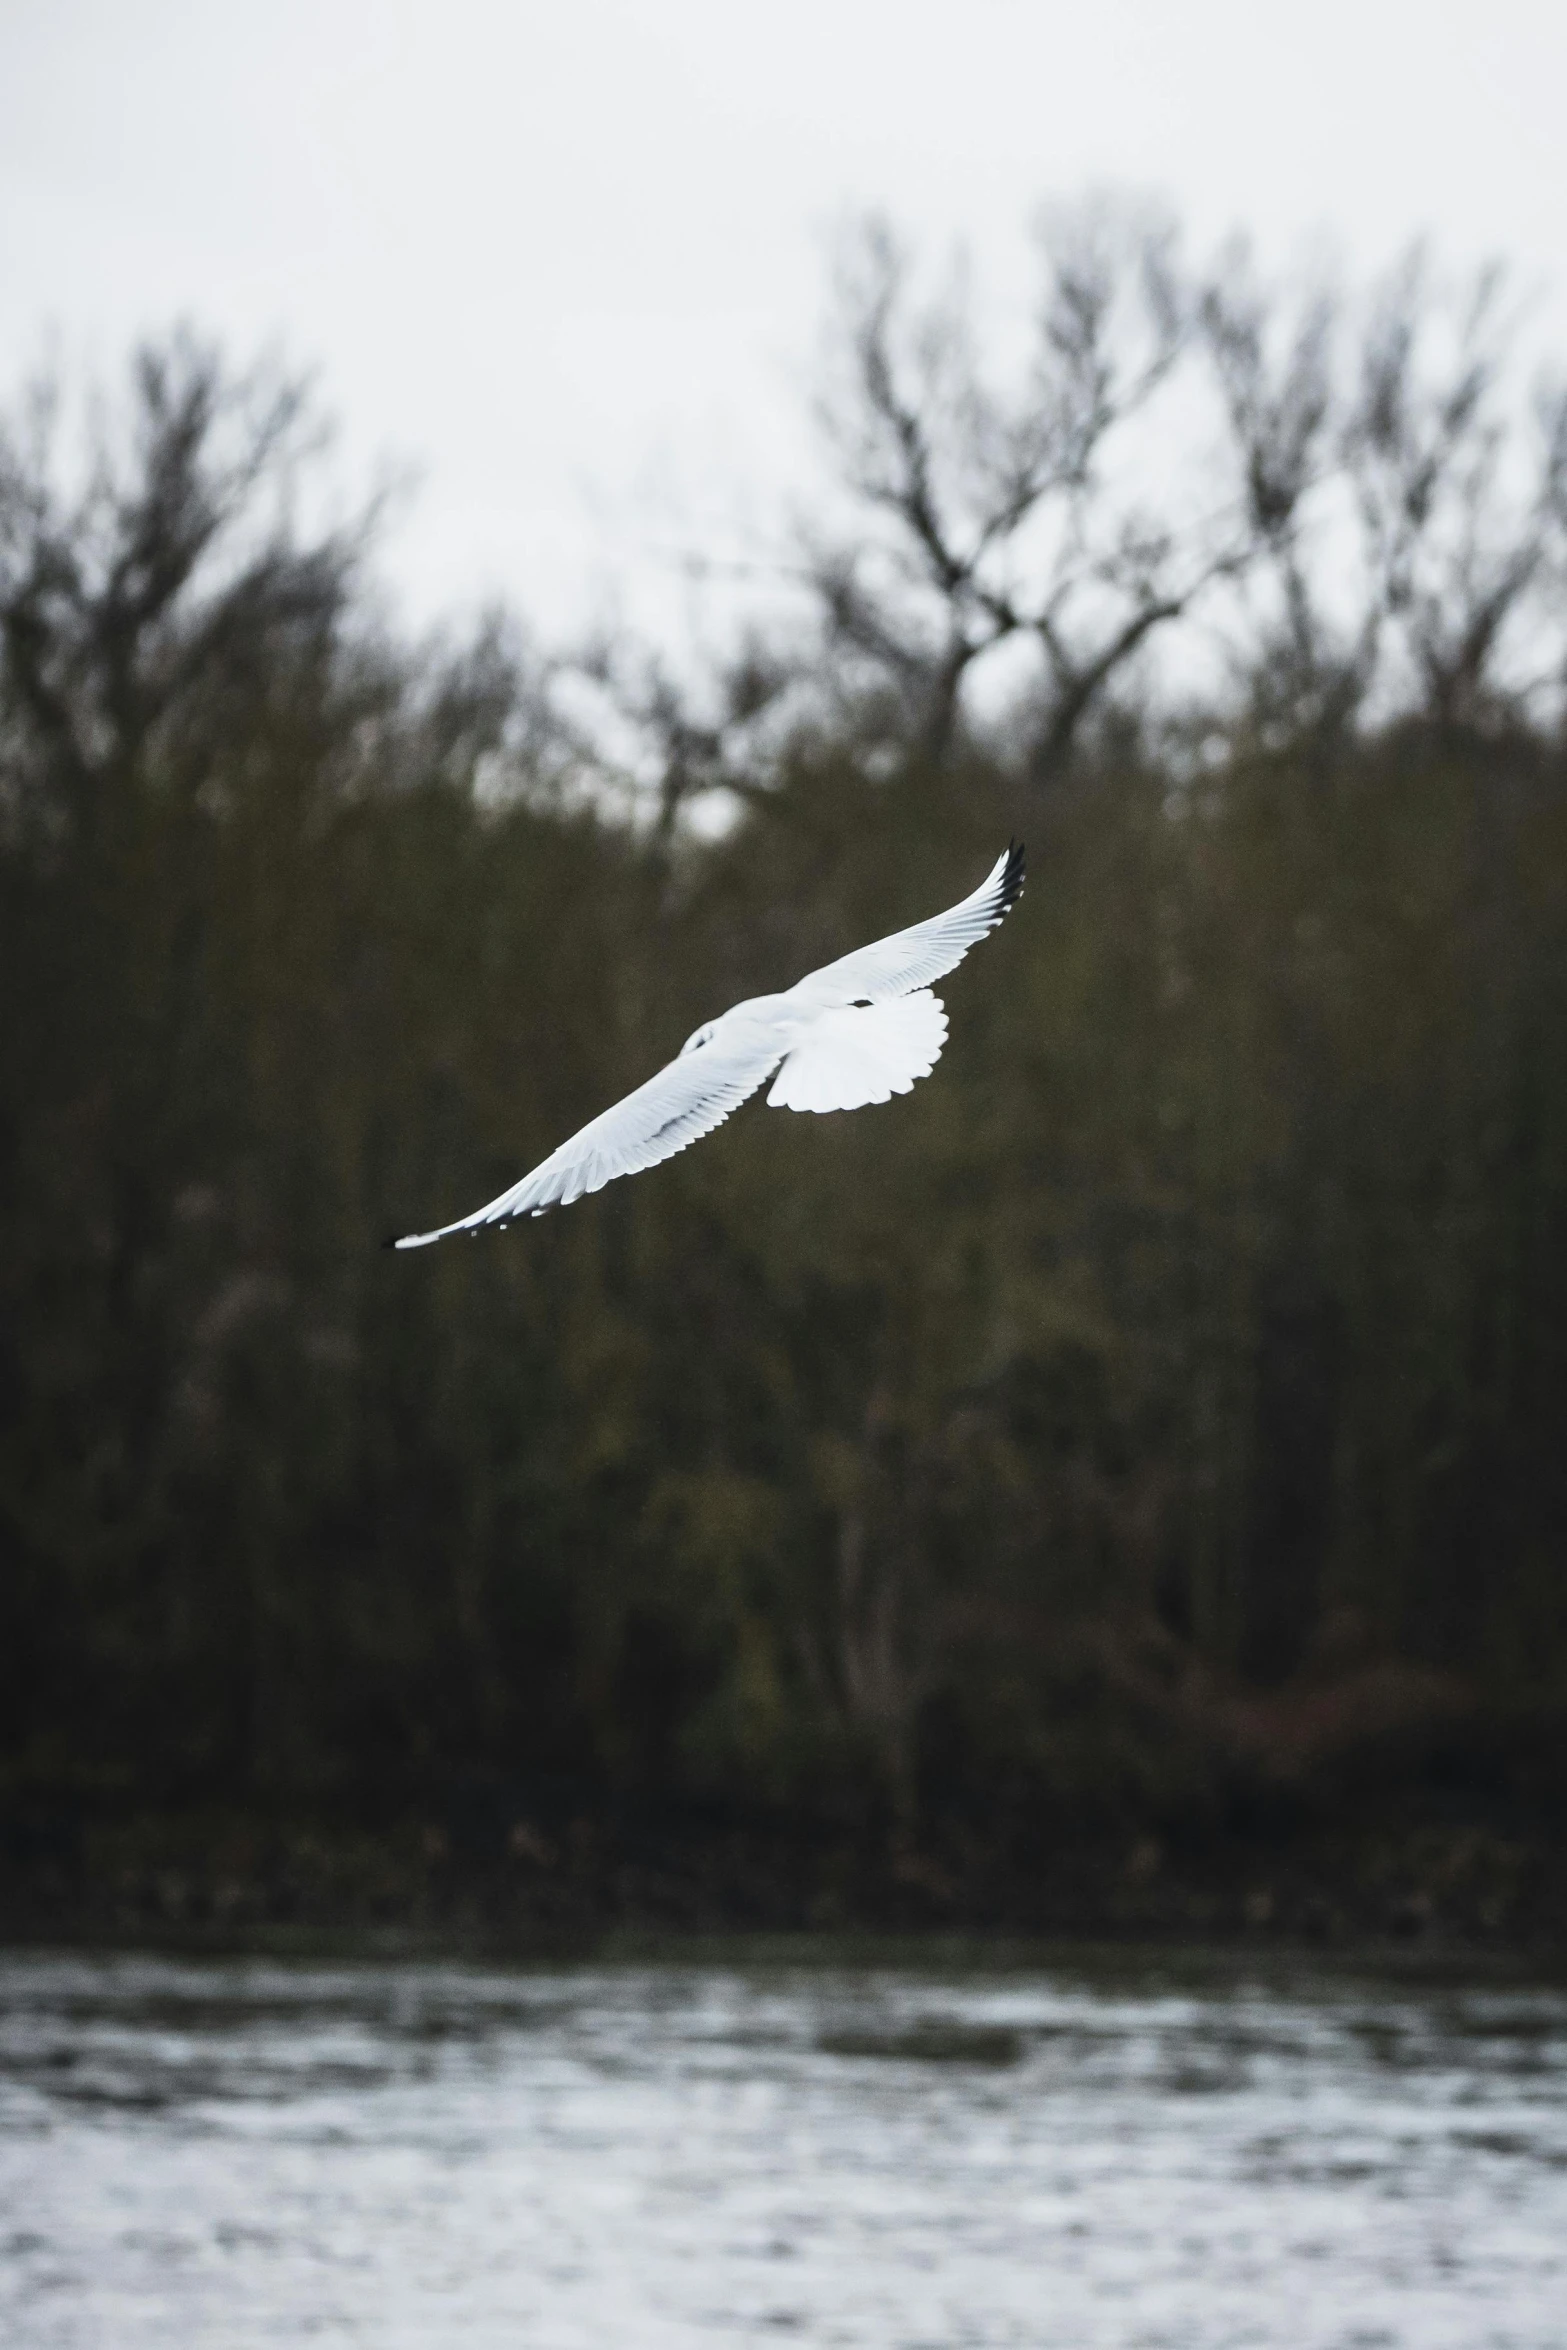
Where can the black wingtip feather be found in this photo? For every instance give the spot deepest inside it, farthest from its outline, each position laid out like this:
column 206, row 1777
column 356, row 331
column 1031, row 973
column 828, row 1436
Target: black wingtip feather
column 390, row 1241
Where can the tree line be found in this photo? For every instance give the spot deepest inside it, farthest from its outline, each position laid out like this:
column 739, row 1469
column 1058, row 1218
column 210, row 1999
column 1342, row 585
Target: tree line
column 1166, row 1397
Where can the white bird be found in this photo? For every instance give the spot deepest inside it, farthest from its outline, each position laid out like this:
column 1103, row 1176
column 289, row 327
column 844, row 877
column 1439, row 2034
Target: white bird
column 857, row 1031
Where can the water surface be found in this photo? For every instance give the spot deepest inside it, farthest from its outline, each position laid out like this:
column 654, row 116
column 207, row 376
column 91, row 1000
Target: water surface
column 1118, row 2153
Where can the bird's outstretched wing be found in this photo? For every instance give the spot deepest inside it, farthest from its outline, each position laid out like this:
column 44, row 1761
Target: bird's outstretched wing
column 678, row 1105
column 914, row 957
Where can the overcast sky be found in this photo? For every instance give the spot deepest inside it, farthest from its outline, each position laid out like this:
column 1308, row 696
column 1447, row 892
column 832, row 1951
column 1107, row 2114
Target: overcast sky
column 567, row 261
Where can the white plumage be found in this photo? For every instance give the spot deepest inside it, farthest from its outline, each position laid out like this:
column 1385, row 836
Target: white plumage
column 857, row 1031
column 859, row 1053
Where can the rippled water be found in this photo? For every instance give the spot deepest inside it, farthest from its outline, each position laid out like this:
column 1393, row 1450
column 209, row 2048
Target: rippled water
column 411, row 2154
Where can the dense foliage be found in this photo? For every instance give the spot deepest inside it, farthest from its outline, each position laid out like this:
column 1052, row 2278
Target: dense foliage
column 1173, row 1387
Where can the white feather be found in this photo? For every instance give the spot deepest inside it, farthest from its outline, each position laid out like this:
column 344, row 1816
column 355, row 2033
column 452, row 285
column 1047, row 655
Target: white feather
column 860, row 1053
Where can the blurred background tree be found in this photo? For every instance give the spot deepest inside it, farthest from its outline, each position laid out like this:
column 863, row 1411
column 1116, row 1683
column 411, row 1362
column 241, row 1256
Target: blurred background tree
column 1164, row 1400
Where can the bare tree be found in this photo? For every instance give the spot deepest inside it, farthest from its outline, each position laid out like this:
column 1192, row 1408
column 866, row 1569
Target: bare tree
column 1273, row 361
column 164, row 573
column 1461, row 522
column 999, row 518
column 1407, row 522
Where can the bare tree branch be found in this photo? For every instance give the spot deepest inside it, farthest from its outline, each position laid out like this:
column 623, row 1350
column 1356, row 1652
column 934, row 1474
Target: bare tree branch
column 996, row 516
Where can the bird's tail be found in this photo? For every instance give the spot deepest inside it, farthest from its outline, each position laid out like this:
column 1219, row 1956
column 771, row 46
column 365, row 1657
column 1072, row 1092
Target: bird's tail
column 862, row 1053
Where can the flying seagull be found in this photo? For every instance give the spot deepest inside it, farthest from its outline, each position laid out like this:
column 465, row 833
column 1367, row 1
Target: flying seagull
column 857, row 1031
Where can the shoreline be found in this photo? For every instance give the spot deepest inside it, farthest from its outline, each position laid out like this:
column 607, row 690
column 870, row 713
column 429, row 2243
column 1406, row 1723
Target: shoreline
column 231, row 1881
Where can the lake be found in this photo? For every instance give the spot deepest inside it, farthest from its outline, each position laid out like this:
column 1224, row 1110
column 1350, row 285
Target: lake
column 1116, row 2149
